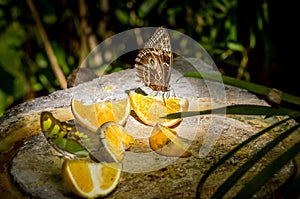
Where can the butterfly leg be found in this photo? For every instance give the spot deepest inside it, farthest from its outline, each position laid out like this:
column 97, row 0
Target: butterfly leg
column 155, row 93
column 163, row 97
column 173, row 92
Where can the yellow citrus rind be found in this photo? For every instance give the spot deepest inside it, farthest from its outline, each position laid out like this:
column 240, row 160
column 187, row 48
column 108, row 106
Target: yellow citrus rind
column 150, row 109
column 90, row 179
column 92, row 116
column 165, row 141
column 117, row 139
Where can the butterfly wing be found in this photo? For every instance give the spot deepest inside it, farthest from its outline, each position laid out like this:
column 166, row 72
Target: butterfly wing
column 62, row 136
column 72, row 140
column 97, row 149
column 159, row 40
column 154, row 62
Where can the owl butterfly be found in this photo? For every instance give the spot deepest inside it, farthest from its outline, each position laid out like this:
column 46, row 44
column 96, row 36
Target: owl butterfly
column 155, row 61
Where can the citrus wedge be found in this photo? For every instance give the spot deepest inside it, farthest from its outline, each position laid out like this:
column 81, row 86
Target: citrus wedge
column 165, row 141
column 150, row 109
column 92, row 116
column 116, row 139
column 90, row 179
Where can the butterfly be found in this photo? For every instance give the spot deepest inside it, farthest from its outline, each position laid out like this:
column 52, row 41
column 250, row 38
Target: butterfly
column 71, row 140
column 155, row 61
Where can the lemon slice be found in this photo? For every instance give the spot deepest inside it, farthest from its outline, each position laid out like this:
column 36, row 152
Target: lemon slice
column 165, row 141
column 92, row 116
column 117, row 139
column 150, row 109
column 90, row 179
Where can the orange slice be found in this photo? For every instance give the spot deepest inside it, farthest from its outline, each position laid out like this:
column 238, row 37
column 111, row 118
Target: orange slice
column 90, row 179
column 165, row 141
column 150, row 109
column 92, row 116
column 117, row 140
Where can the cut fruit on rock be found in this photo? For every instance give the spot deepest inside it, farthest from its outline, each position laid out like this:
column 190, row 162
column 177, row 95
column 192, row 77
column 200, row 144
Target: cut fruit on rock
column 90, row 179
column 150, row 109
column 92, row 116
column 165, row 141
column 117, row 139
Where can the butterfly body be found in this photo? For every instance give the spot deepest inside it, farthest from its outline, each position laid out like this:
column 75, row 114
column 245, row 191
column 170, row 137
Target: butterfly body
column 154, row 62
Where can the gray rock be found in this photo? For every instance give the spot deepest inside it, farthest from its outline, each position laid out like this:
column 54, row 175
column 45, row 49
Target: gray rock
column 36, row 168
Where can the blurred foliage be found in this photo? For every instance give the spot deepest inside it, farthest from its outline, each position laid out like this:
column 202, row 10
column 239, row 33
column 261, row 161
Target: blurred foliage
column 243, row 38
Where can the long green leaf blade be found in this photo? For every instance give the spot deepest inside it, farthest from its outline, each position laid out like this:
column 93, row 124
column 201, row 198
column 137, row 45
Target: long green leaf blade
column 233, row 151
column 251, row 187
column 252, row 87
column 237, row 109
column 221, row 191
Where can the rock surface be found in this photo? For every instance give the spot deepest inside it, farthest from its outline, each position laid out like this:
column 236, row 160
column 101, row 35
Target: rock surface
column 36, row 170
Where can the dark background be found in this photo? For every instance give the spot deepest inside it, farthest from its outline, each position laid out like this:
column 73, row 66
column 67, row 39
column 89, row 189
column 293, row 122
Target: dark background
column 252, row 40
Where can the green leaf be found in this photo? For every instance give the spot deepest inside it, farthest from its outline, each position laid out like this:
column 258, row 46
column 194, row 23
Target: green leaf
column 251, row 87
column 250, row 190
column 261, row 178
column 235, row 47
column 252, row 41
column 238, row 109
column 233, row 151
column 122, row 16
column 146, row 7
column 61, row 57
